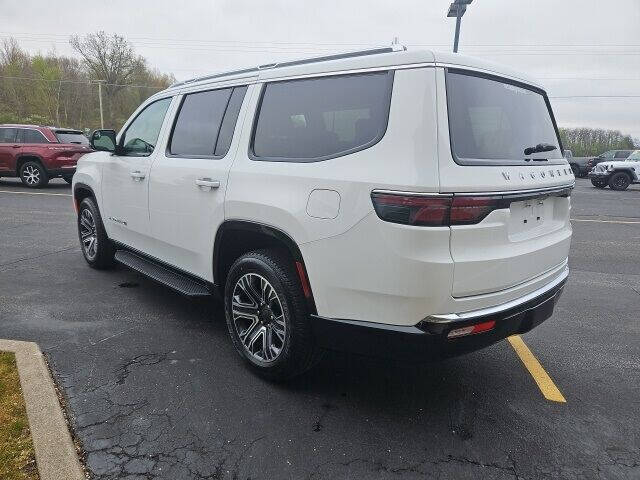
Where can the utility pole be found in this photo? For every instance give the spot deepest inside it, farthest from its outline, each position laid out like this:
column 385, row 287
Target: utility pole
column 100, row 82
column 457, row 9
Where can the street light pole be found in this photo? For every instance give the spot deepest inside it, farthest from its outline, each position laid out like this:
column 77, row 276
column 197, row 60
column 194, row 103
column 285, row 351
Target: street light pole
column 457, row 9
column 457, row 34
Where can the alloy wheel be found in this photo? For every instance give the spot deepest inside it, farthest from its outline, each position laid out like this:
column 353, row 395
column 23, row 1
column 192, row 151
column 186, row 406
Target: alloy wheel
column 258, row 317
column 31, row 175
column 88, row 234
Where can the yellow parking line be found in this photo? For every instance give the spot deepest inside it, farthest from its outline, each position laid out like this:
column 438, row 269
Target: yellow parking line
column 545, row 384
column 37, row 193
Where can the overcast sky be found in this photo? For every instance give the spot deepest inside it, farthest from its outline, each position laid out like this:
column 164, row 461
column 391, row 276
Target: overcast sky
column 588, row 50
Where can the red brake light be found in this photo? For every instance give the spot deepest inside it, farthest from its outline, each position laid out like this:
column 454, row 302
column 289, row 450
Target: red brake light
column 412, row 209
column 470, row 210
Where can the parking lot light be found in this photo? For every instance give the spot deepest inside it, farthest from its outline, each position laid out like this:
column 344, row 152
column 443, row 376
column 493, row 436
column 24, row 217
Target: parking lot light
column 457, row 9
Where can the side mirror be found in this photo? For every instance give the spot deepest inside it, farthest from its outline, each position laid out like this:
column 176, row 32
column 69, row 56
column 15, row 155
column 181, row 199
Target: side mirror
column 103, row 140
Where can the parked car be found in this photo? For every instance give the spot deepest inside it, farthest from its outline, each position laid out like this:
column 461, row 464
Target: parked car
column 36, row 154
column 397, row 203
column 608, row 156
column 619, row 174
column 578, row 164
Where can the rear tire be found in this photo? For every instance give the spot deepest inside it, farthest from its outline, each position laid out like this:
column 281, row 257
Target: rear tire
column 267, row 315
column 96, row 247
column 576, row 170
column 619, row 181
column 33, row 174
column 598, row 183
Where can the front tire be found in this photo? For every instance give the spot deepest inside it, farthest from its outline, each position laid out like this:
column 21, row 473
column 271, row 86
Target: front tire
column 33, row 175
column 267, row 316
column 598, row 183
column 619, row 181
column 96, row 247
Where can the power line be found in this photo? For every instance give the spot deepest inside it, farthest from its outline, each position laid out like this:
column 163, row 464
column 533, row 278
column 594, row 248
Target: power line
column 86, row 82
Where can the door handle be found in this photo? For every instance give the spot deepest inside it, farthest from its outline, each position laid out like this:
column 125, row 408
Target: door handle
column 137, row 175
column 15, row 146
column 207, row 182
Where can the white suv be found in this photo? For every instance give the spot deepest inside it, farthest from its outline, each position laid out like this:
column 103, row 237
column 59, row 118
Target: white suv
column 388, row 202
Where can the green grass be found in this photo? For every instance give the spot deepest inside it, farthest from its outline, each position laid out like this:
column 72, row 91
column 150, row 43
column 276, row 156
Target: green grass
column 17, row 457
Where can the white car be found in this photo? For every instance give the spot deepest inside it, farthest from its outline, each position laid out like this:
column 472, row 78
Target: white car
column 617, row 174
column 389, row 202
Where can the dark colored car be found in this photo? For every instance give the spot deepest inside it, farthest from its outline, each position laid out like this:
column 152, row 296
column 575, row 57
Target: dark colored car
column 608, row 156
column 36, row 154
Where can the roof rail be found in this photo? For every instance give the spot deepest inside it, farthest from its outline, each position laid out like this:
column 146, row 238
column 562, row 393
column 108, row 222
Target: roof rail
column 337, row 56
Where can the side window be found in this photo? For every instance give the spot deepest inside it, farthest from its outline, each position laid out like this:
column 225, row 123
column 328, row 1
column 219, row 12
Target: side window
column 141, row 136
column 8, row 135
column 229, row 123
column 31, row 136
column 621, row 154
column 317, row 119
column 198, row 123
column 205, row 123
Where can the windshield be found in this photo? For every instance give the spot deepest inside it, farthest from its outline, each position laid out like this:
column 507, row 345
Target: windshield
column 72, row 137
column 494, row 122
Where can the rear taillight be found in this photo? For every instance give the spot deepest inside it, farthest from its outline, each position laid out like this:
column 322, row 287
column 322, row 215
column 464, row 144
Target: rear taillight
column 426, row 211
column 470, row 210
column 433, row 211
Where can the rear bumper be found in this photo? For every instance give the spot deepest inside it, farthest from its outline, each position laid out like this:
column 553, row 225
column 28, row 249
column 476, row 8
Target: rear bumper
column 427, row 340
column 63, row 171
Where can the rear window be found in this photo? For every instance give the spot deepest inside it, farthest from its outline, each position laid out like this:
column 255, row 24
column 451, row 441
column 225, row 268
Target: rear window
column 317, row 119
column 72, row 137
column 492, row 121
column 28, row 135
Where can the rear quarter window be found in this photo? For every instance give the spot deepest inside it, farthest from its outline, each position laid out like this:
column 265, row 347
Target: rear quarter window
column 317, row 119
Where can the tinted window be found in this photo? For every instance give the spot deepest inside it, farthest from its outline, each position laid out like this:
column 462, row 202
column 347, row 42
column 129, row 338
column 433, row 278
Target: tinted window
column 32, row 136
column 229, row 123
column 622, row 154
column 494, row 121
column 320, row 118
column 142, row 134
column 8, row 135
column 198, row 123
column 72, row 137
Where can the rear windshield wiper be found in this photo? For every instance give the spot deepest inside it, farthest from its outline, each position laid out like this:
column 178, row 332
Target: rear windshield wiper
column 541, row 147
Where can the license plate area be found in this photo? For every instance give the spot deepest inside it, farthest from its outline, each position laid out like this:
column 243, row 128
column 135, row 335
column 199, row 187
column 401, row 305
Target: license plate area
column 529, row 217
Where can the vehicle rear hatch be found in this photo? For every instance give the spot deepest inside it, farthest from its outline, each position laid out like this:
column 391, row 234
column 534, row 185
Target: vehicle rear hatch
column 509, row 180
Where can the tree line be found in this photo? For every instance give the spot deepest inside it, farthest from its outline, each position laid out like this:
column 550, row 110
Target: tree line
column 50, row 89
column 587, row 142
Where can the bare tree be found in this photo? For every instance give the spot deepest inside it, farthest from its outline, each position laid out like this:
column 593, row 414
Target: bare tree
column 109, row 58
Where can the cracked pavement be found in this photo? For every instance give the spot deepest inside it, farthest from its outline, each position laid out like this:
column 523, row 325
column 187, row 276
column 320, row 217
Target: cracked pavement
column 155, row 389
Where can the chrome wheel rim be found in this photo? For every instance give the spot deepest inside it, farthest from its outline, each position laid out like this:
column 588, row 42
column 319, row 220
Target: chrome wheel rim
column 258, row 318
column 88, row 235
column 31, row 175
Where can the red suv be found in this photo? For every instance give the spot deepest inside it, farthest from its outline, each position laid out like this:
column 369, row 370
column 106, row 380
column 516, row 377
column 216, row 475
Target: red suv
column 37, row 154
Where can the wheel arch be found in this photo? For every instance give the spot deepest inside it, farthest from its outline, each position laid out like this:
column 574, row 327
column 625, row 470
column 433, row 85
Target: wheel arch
column 28, row 157
column 82, row 191
column 237, row 237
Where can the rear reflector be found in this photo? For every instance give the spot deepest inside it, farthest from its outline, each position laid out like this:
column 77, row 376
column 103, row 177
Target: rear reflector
column 472, row 329
column 306, row 289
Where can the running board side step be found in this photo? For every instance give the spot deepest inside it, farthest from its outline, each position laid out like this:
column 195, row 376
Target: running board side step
column 162, row 274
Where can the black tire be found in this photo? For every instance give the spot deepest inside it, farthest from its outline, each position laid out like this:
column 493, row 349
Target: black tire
column 576, row 170
column 619, row 181
column 297, row 350
column 68, row 178
column 102, row 257
column 598, row 183
column 33, row 174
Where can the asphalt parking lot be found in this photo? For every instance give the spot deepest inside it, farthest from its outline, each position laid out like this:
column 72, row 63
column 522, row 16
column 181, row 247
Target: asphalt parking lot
column 155, row 389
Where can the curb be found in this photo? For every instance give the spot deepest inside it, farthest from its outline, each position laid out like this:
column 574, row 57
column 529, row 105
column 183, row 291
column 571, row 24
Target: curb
column 56, row 457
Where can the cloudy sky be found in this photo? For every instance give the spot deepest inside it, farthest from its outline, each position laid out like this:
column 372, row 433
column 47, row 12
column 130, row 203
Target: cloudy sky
column 586, row 52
